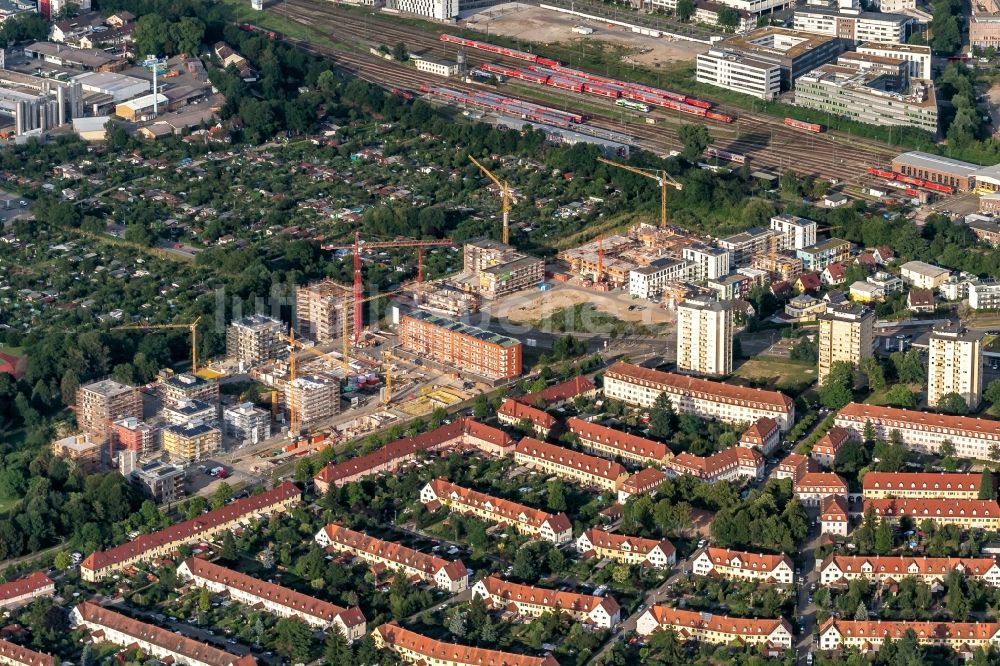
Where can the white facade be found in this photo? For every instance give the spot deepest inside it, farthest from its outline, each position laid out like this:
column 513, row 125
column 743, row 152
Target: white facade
column 984, row 296
column 244, row 422
column 955, row 365
column 739, row 73
column 794, row 232
column 649, row 281
column 923, row 275
column 919, row 57
column 741, row 565
column 437, row 67
column 440, row 10
column 853, row 25
column 705, row 337
column 706, row 263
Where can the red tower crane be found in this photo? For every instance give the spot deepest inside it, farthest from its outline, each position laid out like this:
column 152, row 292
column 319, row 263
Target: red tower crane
column 356, row 249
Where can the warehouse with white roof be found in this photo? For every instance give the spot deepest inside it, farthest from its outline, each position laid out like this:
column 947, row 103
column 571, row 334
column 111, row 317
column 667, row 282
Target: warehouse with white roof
column 118, row 86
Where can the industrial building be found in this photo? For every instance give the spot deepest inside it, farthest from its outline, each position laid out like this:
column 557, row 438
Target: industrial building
column 193, row 442
column 846, row 334
column 101, row 403
column 705, row 337
column 868, row 96
column 496, row 269
column 255, row 339
column 918, row 56
column 246, row 423
column 984, row 24
column 955, row 365
column 142, row 108
column 460, row 346
column 854, row 25
column 313, row 398
column 61, row 55
column 320, row 309
column 745, row 62
column 117, row 86
column 37, row 103
column 936, row 169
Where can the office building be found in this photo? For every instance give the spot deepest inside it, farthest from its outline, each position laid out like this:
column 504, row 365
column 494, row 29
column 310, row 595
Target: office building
column 745, row 63
column 955, row 365
column 569, row 464
column 413, row 648
column 82, row 449
column 753, row 8
column 917, row 56
column 320, row 310
column 920, row 485
column 192, row 442
column 984, row 24
column 273, row 598
column 460, row 346
column 530, row 602
column 246, row 423
column 439, row 10
column 313, row 398
column 846, row 333
column 741, row 565
column 706, row 262
column 869, row 96
column 854, row 25
column 131, row 434
column 640, row 386
column 99, row 404
column 793, row 232
column 631, row 550
column 936, row 169
column 156, row 480
column 255, row 339
column 535, row 523
column 649, row 281
column 450, row 576
column 102, row 564
column 705, row 337
column 716, row 629
column 183, row 387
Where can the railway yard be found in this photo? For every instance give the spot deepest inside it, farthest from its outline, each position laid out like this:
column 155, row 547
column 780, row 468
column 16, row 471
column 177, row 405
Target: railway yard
column 767, row 142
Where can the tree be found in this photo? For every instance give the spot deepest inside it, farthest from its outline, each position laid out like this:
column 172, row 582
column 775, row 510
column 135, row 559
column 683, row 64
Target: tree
column 150, row 35
column 456, row 625
column 487, row 632
column 900, row 396
column 204, row 600
column 187, row 34
column 728, row 18
column 883, row 538
column 61, row 561
column 292, row 639
column 836, row 389
column 953, row 403
column 873, row 370
column 694, row 138
column 337, row 651
column 662, row 418
column 992, row 392
column 557, row 495
column 222, row 495
column 400, row 53
column 805, row 350
column 947, row 448
column 987, row 485
column 685, row 10
column 994, row 453
column 228, row 552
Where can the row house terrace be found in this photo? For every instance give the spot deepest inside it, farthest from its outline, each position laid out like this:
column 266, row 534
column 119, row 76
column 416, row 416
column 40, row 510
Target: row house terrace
column 386, row 460
column 736, row 462
column 146, row 547
column 604, row 441
column 514, row 413
column 644, row 482
column 107, row 626
column 275, row 599
column 24, row 590
column 814, row 487
column 892, row 568
column 640, row 386
column 716, row 629
column 526, row 520
column 12, row 654
column 451, row 576
column 570, row 464
column 870, row 634
column 561, row 394
column 967, row 514
column 923, row 431
column 920, row 485
column 414, row 648
column 631, row 550
column 531, row 602
column 776, row 569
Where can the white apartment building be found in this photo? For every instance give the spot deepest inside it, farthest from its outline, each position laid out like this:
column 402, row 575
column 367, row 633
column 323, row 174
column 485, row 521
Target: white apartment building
column 246, row 423
column 706, row 263
column 919, row 57
column 705, row 337
column 854, row 25
column 648, row 281
column 955, row 365
column 440, row 10
column 275, row 599
column 846, row 333
column 923, row 275
column 794, row 232
column 984, row 296
column 754, row 7
column 777, row 569
column 739, row 72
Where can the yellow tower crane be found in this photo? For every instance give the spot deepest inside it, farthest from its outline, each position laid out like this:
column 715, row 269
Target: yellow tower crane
column 504, row 192
column 662, row 178
column 193, row 327
column 387, row 397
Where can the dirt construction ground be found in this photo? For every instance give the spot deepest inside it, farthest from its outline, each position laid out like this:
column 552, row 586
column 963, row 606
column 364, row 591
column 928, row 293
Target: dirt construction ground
column 531, row 306
column 546, row 26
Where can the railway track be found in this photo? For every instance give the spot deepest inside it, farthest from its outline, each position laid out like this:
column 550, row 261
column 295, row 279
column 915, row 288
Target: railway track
column 765, row 140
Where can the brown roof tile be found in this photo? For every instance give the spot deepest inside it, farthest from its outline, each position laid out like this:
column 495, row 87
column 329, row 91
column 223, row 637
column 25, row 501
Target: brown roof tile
column 559, row 455
column 398, row 637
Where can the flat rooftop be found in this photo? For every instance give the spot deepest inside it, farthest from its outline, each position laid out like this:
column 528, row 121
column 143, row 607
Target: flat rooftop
column 922, row 160
column 464, row 329
column 915, row 49
column 108, row 387
column 867, row 16
column 773, row 40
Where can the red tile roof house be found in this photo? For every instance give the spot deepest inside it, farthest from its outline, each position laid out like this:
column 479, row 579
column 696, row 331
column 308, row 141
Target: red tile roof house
column 718, row 629
column 514, row 413
column 108, row 626
column 732, row 463
column 419, row 649
column 984, row 514
column 461, row 432
column 814, row 487
column 794, row 466
column 893, row 568
column 146, row 547
column 280, row 601
column 825, row 450
column 451, row 576
column 560, row 394
column 834, row 517
column 626, row 549
column 643, row 482
column 870, row 634
column 570, row 464
column 602, row 440
column 528, row 601
column 16, row 655
column 25, row 590
column 742, row 565
column 763, row 434
column 876, row 485
column 525, row 519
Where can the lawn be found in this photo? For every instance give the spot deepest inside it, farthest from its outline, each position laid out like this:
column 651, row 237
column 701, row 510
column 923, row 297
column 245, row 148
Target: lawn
column 782, row 374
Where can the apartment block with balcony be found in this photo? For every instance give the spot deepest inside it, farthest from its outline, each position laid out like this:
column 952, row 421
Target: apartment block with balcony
column 955, row 365
column 184, row 387
column 255, row 339
column 706, row 262
column 705, row 337
column 246, row 423
column 846, row 334
column 460, row 346
column 793, row 232
column 192, row 442
column 313, row 398
column 321, row 308
column 99, row 404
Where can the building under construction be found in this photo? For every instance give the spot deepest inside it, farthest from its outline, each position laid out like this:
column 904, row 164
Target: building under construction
column 313, row 398
column 320, row 309
column 255, row 339
column 496, row 269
